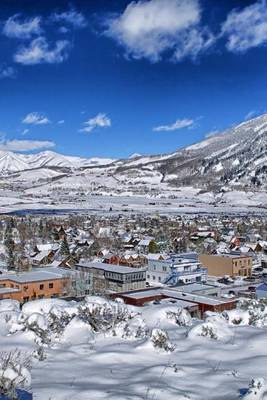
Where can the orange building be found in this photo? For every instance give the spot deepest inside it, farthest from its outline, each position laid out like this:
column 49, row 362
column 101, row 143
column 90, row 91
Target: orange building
column 33, row 285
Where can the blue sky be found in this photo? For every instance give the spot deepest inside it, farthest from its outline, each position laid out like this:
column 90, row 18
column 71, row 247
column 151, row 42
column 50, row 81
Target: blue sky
column 113, row 78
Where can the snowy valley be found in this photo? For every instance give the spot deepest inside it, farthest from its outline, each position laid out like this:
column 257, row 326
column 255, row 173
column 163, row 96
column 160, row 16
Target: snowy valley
column 228, row 168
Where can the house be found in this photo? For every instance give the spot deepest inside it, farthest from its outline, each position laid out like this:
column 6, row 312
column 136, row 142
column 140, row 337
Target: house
column 116, row 278
column 108, row 257
column 46, row 246
column 43, row 258
column 144, row 244
column 59, row 233
column 133, row 260
column 178, row 269
column 227, row 264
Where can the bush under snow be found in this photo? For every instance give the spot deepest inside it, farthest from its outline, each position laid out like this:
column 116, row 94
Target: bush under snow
column 257, row 390
column 214, row 327
column 181, row 317
column 14, row 373
column 161, row 341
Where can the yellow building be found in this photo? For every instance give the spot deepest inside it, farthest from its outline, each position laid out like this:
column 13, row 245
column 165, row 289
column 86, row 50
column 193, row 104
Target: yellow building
column 227, row 264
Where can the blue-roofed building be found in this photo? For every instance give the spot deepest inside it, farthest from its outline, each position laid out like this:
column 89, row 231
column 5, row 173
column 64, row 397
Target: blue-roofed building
column 261, row 291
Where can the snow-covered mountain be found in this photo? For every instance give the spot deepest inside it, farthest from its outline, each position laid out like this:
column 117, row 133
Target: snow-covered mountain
column 232, row 160
column 235, row 158
column 14, row 162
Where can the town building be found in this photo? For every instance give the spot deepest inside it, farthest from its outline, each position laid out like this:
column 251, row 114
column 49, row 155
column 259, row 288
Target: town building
column 178, row 269
column 116, row 278
column 196, row 304
column 33, row 285
column 227, row 264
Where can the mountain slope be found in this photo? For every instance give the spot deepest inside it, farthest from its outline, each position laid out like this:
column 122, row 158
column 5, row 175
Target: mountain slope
column 235, row 158
column 232, row 160
column 14, row 162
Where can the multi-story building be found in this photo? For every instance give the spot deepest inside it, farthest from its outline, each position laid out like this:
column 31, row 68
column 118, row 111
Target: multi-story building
column 33, row 285
column 227, row 264
column 116, row 278
column 178, row 269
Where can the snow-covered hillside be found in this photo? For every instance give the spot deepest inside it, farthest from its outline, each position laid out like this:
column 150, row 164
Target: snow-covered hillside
column 101, row 349
column 233, row 161
column 14, row 162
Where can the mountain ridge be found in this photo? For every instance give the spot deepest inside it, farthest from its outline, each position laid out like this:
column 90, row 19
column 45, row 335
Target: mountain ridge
column 235, row 158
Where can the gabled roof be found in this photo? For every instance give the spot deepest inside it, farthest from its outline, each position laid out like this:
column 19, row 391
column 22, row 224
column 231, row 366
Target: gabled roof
column 40, row 256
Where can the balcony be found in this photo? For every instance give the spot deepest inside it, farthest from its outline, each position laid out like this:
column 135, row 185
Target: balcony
column 175, row 276
column 197, row 271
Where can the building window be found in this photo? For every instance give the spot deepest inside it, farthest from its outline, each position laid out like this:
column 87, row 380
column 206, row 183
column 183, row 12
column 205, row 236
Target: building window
column 148, row 276
column 164, row 269
column 154, row 278
column 51, row 285
column 42, row 287
column 159, row 278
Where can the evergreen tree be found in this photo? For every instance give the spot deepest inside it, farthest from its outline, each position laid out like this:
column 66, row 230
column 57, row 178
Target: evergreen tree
column 10, row 246
column 153, row 247
column 64, row 247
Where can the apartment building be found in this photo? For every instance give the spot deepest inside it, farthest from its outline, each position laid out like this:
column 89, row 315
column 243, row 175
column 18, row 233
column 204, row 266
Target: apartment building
column 227, row 264
column 33, row 285
column 179, row 269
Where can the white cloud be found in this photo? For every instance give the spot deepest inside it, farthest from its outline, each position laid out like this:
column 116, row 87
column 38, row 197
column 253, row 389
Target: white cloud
column 178, row 124
column 39, row 52
column 72, row 17
column 25, row 145
column 61, row 122
column 7, row 72
column 251, row 114
column 15, row 28
column 147, row 29
column 246, row 28
column 25, row 131
column 99, row 121
column 35, row 118
column 193, row 43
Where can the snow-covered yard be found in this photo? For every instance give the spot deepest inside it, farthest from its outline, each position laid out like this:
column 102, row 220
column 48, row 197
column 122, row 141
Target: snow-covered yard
column 100, row 349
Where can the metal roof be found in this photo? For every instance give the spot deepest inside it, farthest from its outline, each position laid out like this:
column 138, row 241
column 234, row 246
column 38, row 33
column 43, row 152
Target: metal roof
column 119, row 269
